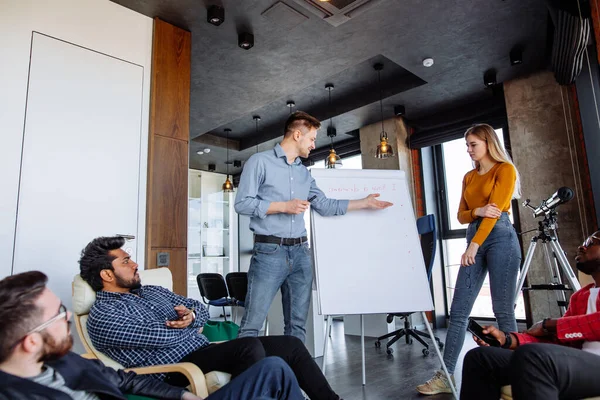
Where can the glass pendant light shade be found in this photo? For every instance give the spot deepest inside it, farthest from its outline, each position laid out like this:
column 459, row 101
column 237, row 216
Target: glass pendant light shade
column 384, row 150
column 228, row 186
column 332, row 159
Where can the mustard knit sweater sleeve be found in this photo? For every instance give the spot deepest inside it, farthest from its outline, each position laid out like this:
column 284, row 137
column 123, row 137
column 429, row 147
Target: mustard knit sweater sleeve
column 495, row 186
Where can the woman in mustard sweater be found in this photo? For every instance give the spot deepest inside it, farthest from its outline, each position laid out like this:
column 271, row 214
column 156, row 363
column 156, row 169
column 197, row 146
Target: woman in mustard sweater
column 492, row 244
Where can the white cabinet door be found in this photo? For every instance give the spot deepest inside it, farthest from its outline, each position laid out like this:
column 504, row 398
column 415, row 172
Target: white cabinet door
column 81, row 158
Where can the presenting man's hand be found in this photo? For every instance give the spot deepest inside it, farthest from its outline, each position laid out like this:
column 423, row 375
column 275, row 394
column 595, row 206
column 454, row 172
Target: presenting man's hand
column 296, row 206
column 370, row 203
column 186, row 317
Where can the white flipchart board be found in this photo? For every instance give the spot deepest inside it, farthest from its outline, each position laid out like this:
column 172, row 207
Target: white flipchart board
column 368, row 261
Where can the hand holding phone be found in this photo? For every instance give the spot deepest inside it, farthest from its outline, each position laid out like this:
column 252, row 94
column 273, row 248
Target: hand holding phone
column 477, row 331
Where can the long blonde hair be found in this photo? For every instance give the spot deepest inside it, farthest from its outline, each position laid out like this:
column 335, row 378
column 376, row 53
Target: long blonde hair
column 495, row 149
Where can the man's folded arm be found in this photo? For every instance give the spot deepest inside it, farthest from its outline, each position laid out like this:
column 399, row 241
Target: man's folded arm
column 115, row 327
column 201, row 312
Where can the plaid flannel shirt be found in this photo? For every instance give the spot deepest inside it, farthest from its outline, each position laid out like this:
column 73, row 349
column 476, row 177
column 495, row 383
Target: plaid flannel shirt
column 576, row 326
column 130, row 327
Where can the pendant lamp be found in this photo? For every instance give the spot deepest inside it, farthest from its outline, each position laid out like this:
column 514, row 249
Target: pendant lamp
column 384, row 150
column 332, row 159
column 256, row 118
column 227, row 186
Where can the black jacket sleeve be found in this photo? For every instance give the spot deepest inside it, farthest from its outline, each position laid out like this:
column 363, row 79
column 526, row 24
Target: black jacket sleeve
column 132, row 383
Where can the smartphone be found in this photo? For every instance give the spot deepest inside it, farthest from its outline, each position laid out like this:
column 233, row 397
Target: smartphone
column 477, row 331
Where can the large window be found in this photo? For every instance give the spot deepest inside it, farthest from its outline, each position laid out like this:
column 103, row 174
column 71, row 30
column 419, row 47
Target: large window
column 453, row 163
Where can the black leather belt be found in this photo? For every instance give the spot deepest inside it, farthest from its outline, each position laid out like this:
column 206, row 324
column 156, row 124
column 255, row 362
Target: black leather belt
column 278, row 240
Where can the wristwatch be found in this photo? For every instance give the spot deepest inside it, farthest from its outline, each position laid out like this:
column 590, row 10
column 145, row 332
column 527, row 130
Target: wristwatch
column 546, row 331
column 507, row 341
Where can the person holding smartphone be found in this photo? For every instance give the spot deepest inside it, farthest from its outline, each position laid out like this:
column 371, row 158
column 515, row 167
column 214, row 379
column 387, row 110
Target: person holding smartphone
column 492, row 244
column 562, row 356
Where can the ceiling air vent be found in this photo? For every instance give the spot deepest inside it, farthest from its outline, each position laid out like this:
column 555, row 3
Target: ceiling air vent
column 336, row 12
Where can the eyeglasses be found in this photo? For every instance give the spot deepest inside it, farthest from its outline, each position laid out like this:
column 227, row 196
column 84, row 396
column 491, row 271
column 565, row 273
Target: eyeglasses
column 589, row 242
column 62, row 313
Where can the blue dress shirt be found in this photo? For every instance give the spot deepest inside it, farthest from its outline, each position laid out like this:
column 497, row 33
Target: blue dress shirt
column 268, row 177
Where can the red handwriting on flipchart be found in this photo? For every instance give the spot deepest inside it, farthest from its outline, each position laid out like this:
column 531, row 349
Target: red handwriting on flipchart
column 378, row 188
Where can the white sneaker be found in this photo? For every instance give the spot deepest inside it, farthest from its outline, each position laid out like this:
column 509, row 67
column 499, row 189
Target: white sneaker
column 437, row 384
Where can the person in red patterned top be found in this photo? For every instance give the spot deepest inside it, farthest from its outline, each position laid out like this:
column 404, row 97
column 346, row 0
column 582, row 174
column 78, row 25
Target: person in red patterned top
column 555, row 358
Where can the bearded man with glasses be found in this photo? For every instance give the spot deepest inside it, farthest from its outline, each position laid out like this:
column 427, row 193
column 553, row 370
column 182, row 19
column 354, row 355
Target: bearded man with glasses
column 36, row 362
column 561, row 358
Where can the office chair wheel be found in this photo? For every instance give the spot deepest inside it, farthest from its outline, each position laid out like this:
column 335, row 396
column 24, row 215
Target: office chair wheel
column 389, row 351
column 377, row 344
column 390, row 318
column 440, row 345
column 425, row 352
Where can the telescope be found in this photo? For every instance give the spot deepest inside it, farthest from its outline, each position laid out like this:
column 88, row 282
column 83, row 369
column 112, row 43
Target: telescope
column 559, row 197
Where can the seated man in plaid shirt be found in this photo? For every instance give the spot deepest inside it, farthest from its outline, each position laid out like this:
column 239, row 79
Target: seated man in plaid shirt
column 552, row 365
column 148, row 325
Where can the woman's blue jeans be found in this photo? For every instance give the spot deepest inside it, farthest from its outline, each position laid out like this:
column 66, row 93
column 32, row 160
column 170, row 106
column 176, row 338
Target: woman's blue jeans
column 500, row 254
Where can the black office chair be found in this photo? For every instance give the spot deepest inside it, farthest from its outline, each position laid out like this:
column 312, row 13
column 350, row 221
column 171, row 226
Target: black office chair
column 213, row 291
column 426, row 228
column 237, row 283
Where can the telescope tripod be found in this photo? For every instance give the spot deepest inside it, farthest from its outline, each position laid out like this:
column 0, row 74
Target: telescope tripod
column 547, row 236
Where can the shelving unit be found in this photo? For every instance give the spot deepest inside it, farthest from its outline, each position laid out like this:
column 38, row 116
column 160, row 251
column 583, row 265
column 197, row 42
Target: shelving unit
column 212, row 228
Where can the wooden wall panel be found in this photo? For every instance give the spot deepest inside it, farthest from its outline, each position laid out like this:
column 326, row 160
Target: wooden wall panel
column 171, row 63
column 178, row 267
column 168, row 219
column 167, row 197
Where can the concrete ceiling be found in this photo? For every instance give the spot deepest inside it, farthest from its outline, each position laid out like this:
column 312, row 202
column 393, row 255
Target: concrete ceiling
column 297, row 52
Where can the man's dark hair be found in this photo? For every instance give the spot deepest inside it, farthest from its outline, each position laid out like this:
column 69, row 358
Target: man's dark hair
column 18, row 311
column 299, row 120
column 95, row 258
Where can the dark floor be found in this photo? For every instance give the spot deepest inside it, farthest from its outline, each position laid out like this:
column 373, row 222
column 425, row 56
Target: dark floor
column 388, row 377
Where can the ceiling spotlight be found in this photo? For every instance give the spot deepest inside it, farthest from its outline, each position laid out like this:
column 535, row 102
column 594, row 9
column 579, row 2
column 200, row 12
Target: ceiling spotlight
column 428, row 62
column 246, row 40
column 399, row 111
column 291, row 105
column 200, row 152
column 215, row 15
column 207, row 150
column 489, row 77
column 516, row 56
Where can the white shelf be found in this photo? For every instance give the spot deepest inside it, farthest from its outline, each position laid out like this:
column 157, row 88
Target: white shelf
column 217, row 229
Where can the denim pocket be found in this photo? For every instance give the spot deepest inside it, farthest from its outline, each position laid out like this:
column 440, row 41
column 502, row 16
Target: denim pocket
column 266, row 248
column 307, row 250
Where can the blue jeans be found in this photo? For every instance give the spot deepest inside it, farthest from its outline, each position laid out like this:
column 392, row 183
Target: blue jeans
column 270, row 378
column 274, row 266
column 499, row 254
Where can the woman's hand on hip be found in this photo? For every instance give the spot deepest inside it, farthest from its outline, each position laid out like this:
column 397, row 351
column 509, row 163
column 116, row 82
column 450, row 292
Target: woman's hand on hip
column 489, row 211
column 468, row 258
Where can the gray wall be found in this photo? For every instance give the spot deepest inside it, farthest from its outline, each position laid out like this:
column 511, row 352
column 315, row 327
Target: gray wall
column 544, row 147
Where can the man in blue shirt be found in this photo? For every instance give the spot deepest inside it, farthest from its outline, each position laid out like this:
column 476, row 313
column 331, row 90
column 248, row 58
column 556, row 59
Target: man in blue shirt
column 275, row 190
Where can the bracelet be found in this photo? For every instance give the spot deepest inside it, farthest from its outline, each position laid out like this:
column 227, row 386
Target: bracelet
column 507, row 341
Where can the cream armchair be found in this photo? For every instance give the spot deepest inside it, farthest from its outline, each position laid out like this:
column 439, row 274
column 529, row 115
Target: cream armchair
column 83, row 299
